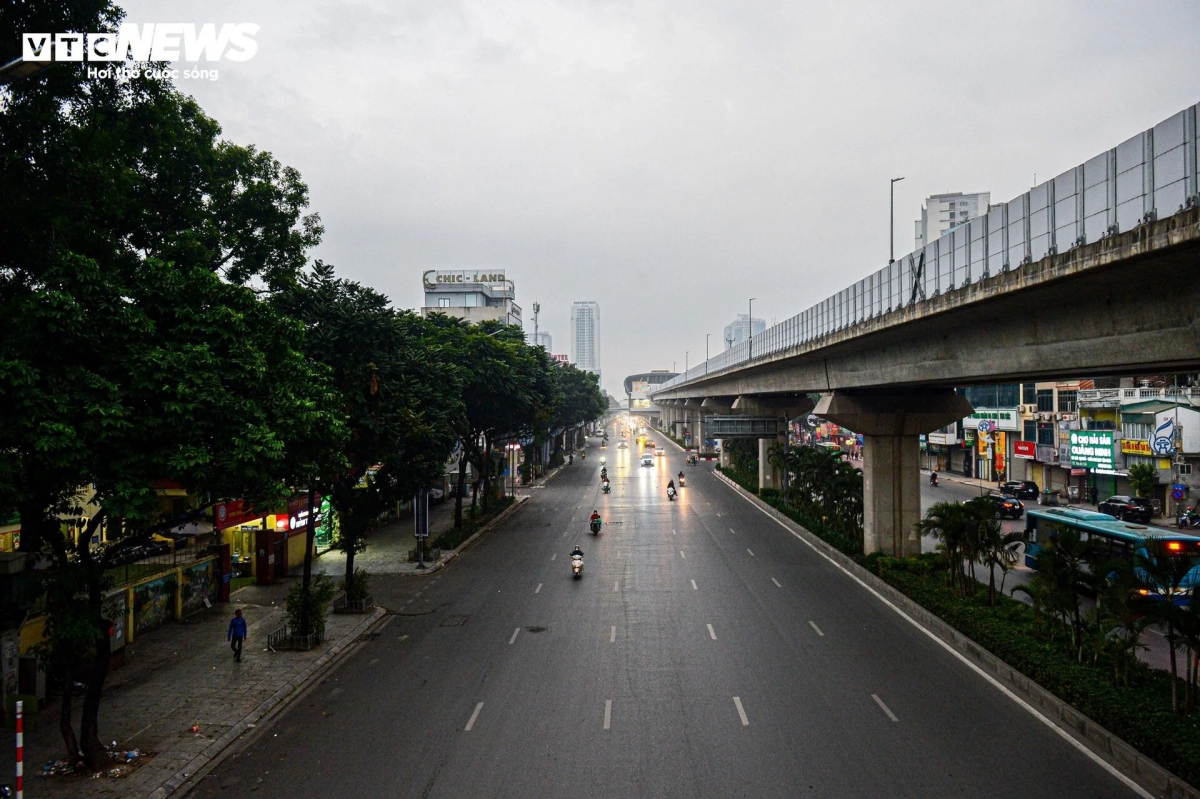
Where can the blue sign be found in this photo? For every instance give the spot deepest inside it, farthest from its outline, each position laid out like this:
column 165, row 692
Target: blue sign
column 1178, row 491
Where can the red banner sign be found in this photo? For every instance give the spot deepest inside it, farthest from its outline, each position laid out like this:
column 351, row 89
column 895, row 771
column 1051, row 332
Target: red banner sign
column 231, row 514
column 1024, row 449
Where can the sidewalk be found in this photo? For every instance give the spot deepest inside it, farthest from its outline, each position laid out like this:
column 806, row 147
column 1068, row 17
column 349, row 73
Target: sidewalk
column 184, row 675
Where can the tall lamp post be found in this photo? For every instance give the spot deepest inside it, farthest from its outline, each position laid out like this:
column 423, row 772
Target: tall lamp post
column 892, row 224
column 750, row 330
column 706, row 337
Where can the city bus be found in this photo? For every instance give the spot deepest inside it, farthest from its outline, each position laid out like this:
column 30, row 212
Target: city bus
column 1118, row 538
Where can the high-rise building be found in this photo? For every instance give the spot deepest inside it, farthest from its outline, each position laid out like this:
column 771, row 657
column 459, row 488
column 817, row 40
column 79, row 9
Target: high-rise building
column 742, row 328
column 941, row 212
column 585, row 335
column 541, row 339
column 473, row 295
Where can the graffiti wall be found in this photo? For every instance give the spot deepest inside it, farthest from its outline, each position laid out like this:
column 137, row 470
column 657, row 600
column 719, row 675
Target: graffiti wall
column 153, row 603
column 199, row 583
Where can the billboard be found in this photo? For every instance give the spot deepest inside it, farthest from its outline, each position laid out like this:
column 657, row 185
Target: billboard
column 1093, row 449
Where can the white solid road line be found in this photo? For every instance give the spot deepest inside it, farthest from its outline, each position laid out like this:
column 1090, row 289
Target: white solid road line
column 474, row 716
column 777, row 585
column 538, row 589
column 514, row 635
column 712, row 633
column 884, row 707
column 751, row 551
column 813, row 624
column 694, row 586
column 737, row 700
column 1095, row 758
column 612, row 635
column 607, row 713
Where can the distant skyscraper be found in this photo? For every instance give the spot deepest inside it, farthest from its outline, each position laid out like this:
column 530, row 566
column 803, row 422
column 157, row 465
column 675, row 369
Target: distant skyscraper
column 542, row 340
column 585, row 335
column 941, row 212
column 740, row 329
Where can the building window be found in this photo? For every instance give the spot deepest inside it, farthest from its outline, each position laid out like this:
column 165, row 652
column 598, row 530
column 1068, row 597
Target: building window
column 1045, row 400
column 1185, row 468
column 1029, row 393
column 1030, row 431
column 1045, row 434
column 443, row 302
column 1067, row 401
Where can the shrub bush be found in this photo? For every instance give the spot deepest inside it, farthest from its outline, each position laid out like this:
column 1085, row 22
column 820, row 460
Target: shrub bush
column 306, row 610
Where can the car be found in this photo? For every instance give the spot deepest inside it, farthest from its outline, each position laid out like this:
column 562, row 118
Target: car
column 1008, row 506
column 1021, row 489
column 1128, row 509
column 647, row 459
column 660, row 451
column 622, row 445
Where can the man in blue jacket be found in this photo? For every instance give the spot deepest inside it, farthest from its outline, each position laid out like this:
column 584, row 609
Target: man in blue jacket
column 237, row 634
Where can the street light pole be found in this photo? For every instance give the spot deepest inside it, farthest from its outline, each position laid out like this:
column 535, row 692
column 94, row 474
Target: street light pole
column 892, row 223
column 750, row 330
column 686, row 353
column 706, row 337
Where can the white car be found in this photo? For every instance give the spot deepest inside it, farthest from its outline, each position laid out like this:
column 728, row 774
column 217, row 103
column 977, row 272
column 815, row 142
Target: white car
column 622, row 445
column 659, row 451
column 647, row 459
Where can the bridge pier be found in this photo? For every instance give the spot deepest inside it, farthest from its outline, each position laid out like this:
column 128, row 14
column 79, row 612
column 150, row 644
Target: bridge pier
column 891, row 425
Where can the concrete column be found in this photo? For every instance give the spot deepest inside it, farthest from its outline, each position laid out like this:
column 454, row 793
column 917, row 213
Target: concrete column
column 891, row 426
column 698, row 431
column 768, row 475
column 723, row 459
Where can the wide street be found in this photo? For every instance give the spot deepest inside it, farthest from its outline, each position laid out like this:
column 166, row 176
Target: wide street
column 705, row 652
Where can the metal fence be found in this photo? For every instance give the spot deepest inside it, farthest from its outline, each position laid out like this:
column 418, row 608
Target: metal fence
column 1150, row 176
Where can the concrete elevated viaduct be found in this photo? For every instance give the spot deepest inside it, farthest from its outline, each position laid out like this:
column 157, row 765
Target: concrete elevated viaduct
column 1127, row 304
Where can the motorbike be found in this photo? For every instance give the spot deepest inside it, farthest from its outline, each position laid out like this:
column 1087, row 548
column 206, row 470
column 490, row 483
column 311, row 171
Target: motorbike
column 603, row 459
column 605, row 487
column 1189, row 518
column 594, row 525
column 682, row 480
column 671, row 494
column 577, row 566
column 693, row 460
column 933, row 480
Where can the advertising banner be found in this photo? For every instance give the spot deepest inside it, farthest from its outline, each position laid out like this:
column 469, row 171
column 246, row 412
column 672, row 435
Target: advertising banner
column 1093, row 449
column 1024, row 449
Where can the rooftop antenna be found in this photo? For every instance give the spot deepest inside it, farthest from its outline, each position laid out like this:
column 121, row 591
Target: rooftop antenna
column 536, row 310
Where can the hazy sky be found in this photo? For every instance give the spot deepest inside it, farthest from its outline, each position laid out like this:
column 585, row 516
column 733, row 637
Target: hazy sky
column 673, row 159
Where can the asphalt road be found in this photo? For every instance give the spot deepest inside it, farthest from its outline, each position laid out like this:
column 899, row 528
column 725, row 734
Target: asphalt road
column 705, row 652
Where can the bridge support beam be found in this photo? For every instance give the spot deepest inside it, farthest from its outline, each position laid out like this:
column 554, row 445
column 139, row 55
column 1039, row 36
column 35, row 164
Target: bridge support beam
column 891, row 425
column 768, row 475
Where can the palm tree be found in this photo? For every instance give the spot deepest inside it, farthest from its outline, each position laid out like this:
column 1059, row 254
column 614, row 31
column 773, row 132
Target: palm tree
column 1161, row 572
column 947, row 522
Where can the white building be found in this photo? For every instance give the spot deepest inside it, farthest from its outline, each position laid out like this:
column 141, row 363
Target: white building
column 474, row 295
column 941, row 212
column 541, row 339
column 742, row 328
column 585, row 335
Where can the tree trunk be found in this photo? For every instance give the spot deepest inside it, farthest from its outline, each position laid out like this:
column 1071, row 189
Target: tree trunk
column 64, row 719
column 487, row 474
column 349, row 580
column 458, row 492
column 1174, row 668
column 94, row 754
column 310, row 536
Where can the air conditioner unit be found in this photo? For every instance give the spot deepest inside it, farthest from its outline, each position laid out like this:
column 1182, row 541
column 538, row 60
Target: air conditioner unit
column 1028, row 409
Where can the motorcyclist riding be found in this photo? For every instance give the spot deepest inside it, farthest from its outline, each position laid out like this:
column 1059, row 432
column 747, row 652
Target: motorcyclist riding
column 577, row 551
column 933, row 478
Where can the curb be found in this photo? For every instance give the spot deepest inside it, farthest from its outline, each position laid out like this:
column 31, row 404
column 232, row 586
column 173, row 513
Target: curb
column 1112, row 749
column 454, row 553
column 198, row 767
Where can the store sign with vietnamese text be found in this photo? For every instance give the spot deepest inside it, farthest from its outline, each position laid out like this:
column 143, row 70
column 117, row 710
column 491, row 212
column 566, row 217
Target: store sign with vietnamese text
column 1093, row 449
column 1136, row 446
column 1024, row 449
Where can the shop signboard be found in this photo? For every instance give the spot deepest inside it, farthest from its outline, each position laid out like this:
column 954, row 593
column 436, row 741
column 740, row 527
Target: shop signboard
column 1162, row 440
column 1024, row 449
column 232, row 514
column 1046, row 454
column 1093, row 449
column 1136, row 446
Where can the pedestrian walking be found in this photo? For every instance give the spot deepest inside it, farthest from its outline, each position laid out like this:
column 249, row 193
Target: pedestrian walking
column 236, row 634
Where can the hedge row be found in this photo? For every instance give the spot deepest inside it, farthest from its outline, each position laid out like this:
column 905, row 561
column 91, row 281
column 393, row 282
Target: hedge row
column 1140, row 713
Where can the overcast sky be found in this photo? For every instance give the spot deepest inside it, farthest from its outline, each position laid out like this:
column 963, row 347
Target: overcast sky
column 673, row 159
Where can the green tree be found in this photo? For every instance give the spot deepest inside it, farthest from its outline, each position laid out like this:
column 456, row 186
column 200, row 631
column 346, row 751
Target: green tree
column 1163, row 573
column 402, row 400
column 1143, row 477
column 134, row 352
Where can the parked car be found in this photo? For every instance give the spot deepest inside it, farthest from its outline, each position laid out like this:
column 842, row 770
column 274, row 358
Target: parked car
column 1021, row 489
column 1129, row 509
column 131, row 550
column 1008, row 506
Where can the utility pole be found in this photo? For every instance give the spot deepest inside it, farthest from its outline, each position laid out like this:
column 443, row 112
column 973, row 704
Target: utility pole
column 537, row 308
column 706, row 337
column 892, row 224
